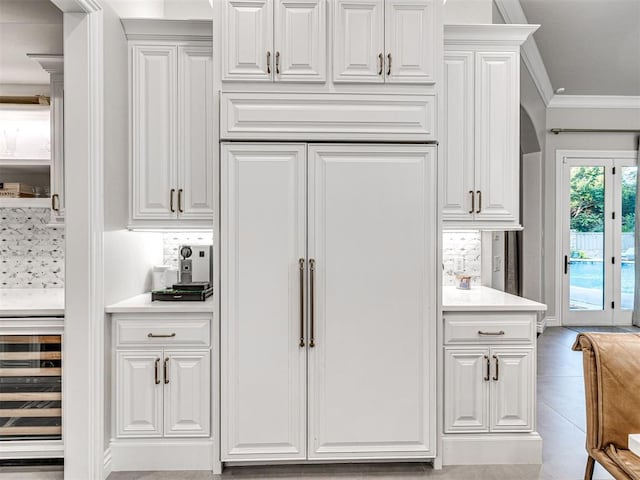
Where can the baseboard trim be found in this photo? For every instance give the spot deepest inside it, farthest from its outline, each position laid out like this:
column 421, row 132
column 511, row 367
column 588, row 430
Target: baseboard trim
column 32, row 449
column 492, row 449
column 106, row 470
column 161, row 454
column 553, row 322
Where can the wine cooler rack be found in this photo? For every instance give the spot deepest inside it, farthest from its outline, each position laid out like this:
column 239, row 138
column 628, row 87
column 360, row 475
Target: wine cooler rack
column 30, row 387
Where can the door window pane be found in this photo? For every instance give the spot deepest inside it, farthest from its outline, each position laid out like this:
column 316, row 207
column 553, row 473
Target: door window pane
column 586, row 266
column 627, row 244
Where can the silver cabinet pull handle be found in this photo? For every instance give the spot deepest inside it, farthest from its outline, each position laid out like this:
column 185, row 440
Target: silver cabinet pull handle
column 389, row 64
column 277, row 63
column 180, row 201
column 268, row 61
column 166, row 371
column 487, row 376
column 312, row 273
column 380, row 64
column 161, row 335
column 301, row 268
column 171, row 194
column 157, row 380
column 473, row 201
column 491, row 334
column 495, row 378
column 479, row 201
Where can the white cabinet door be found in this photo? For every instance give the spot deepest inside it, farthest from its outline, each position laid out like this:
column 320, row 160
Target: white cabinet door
column 410, row 39
column 466, row 390
column 372, row 237
column 153, row 133
column 187, row 388
column 57, row 147
column 195, row 139
column 263, row 220
column 139, row 393
column 497, row 126
column 248, row 40
column 457, row 143
column 512, row 390
column 358, row 41
column 300, row 38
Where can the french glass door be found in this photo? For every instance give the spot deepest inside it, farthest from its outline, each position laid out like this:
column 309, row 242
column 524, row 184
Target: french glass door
column 598, row 221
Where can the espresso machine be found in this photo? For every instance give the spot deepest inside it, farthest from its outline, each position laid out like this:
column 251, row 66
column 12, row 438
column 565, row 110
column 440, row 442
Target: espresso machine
column 196, row 275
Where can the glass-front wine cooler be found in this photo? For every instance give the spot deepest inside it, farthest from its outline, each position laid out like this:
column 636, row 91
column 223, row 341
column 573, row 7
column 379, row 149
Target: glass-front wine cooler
column 30, row 388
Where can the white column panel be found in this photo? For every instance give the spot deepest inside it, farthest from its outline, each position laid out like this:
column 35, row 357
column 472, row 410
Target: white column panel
column 372, row 234
column 263, row 225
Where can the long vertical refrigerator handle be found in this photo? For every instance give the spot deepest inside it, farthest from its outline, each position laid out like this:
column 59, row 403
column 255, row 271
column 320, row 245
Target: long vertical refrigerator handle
column 312, row 273
column 301, row 267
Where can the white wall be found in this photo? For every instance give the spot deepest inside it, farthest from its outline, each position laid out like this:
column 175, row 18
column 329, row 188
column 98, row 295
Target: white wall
column 576, row 118
column 458, row 12
column 167, row 9
column 128, row 256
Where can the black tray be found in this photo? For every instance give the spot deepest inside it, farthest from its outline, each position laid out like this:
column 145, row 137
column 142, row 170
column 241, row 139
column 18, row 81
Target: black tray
column 172, row 295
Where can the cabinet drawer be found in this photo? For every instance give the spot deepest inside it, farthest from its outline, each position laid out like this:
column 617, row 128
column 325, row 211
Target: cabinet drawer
column 489, row 328
column 175, row 330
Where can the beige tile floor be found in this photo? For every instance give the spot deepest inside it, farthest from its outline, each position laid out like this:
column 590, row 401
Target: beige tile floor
column 561, row 422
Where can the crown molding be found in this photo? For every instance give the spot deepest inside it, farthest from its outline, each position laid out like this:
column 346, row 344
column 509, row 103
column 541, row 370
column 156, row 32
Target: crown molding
column 594, row 101
column 488, row 34
column 512, row 12
column 52, row 64
column 163, row 29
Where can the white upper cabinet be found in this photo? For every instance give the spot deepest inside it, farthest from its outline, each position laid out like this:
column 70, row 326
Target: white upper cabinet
column 480, row 142
column 274, row 40
column 457, row 136
column 195, row 114
column 410, row 40
column 392, row 41
column 153, row 115
column 300, row 40
column 172, row 151
column 358, row 41
column 497, row 137
column 248, row 52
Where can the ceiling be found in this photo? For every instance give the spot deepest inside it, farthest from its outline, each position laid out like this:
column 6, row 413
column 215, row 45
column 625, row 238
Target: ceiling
column 589, row 47
column 27, row 26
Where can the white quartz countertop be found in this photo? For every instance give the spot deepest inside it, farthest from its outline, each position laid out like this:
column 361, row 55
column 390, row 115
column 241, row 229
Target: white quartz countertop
column 34, row 302
column 143, row 304
column 485, row 299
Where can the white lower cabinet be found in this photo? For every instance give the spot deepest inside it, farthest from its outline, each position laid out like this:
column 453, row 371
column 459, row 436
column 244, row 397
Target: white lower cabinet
column 139, row 393
column 489, row 372
column 490, row 390
column 162, row 385
column 328, row 310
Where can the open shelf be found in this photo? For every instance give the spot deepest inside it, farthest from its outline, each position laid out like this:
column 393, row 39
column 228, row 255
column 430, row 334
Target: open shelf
column 41, row 202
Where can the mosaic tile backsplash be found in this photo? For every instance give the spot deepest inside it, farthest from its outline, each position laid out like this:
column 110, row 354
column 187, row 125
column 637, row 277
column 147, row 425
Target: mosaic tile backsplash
column 461, row 254
column 172, row 241
column 31, row 252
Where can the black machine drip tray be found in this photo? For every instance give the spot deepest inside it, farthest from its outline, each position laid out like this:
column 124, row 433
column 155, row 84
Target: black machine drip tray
column 181, row 294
